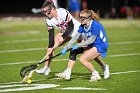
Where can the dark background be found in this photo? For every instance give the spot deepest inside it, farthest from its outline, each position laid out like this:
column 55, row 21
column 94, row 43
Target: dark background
column 25, row 6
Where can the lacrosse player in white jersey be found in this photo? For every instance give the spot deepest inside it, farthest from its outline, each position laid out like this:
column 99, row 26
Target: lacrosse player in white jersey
column 62, row 19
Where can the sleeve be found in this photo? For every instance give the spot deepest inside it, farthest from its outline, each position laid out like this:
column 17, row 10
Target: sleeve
column 72, row 41
column 80, row 30
column 51, row 38
column 49, row 25
column 67, row 17
column 87, row 42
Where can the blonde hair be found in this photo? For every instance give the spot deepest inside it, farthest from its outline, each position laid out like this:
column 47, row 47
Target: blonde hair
column 91, row 14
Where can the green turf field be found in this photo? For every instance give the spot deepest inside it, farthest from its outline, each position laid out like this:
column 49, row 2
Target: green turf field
column 24, row 41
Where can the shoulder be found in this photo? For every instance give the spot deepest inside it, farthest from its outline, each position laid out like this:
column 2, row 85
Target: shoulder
column 49, row 22
column 96, row 24
column 61, row 10
column 81, row 28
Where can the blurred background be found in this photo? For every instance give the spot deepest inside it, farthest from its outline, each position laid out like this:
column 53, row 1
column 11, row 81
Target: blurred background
column 107, row 8
column 24, row 40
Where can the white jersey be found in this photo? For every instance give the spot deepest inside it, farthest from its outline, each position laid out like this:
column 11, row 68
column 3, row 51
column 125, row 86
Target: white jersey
column 62, row 22
column 55, row 3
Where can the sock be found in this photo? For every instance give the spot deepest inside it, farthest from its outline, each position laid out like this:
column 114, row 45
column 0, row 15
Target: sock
column 45, row 67
column 69, row 70
column 94, row 72
column 103, row 67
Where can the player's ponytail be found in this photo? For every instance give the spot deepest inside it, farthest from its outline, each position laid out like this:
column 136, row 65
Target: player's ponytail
column 95, row 16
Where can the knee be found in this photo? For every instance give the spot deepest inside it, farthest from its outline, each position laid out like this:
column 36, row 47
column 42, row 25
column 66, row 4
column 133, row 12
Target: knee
column 82, row 60
column 72, row 55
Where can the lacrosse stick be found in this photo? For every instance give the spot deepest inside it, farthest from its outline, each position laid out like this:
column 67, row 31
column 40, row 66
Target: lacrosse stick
column 29, row 68
column 32, row 67
column 29, row 77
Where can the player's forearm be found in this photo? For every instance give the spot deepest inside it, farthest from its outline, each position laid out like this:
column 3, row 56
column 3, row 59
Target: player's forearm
column 72, row 41
column 51, row 38
column 87, row 42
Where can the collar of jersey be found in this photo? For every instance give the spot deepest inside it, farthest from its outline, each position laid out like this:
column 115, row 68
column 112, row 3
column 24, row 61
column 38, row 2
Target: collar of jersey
column 89, row 26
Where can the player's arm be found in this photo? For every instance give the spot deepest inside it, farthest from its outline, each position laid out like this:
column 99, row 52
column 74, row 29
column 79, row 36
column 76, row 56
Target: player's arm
column 87, row 42
column 72, row 41
column 51, row 38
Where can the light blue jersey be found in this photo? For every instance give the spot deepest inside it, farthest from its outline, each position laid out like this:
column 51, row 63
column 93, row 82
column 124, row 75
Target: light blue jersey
column 96, row 29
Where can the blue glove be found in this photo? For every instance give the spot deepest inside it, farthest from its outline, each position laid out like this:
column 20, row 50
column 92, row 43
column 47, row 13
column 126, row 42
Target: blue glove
column 74, row 47
column 63, row 52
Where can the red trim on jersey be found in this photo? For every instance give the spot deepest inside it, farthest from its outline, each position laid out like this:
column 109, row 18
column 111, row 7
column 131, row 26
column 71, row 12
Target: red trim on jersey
column 68, row 18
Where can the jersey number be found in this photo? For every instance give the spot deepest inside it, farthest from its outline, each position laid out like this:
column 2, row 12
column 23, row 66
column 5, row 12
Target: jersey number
column 102, row 36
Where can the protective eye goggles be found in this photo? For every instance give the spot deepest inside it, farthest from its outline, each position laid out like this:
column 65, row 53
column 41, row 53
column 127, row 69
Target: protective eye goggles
column 47, row 11
column 82, row 18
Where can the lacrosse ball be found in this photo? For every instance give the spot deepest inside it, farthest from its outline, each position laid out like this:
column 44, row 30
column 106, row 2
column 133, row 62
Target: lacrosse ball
column 29, row 81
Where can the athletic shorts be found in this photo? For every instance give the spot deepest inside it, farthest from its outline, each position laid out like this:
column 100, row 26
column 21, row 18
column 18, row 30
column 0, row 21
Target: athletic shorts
column 102, row 48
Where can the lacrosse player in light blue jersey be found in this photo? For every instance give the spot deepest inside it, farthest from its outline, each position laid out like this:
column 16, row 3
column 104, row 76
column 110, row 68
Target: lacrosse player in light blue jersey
column 94, row 46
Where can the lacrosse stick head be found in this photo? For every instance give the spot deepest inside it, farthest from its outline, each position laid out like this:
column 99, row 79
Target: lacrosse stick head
column 26, row 69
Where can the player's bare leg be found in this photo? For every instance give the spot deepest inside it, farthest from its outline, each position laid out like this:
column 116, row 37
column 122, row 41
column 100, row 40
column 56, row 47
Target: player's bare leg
column 67, row 73
column 46, row 69
column 104, row 66
column 84, row 59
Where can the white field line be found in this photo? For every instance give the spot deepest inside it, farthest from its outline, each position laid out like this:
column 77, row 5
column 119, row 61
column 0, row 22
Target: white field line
column 9, row 85
column 36, row 49
column 80, row 88
column 116, row 55
column 124, row 43
column 46, row 39
column 21, row 50
column 24, row 41
column 16, row 63
column 122, row 55
column 28, row 32
column 124, row 35
column 114, row 73
column 23, row 87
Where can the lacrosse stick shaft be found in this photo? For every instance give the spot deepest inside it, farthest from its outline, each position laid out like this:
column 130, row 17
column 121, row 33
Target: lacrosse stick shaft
column 52, row 57
column 44, row 57
column 31, row 73
column 49, row 58
column 56, row 45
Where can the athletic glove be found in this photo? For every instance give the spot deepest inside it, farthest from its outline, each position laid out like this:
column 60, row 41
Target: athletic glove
column 63, row 52
column 74, row 47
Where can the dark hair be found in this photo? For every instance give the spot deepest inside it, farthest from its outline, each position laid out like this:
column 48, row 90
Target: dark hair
column 91, row 14
column 48, row 3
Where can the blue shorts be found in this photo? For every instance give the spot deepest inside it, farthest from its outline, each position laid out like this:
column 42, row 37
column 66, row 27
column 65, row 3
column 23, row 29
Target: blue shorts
column 102, row 48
